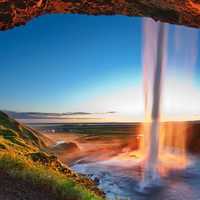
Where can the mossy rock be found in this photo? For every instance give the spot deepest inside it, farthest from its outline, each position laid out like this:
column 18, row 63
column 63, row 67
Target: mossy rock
column 42, row 157
column 19, row 133
column 8, row 122
column 12, row 136
column 8, row 133
column 50, row 160
column 31, row 137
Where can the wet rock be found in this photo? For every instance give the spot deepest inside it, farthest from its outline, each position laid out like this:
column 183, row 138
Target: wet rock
column 94, row 178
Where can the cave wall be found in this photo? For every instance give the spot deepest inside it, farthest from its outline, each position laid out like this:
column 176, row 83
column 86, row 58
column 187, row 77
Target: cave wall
column 19, row 12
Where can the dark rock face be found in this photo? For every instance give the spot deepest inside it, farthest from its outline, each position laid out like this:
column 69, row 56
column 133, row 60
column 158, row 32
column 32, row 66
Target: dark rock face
column 193, row 138
column 18, row 12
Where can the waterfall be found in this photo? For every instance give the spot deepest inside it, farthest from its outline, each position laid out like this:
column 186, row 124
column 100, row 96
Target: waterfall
column 153, row 62
column 164, row 144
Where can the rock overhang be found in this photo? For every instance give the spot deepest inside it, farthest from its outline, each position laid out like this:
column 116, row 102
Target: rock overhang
column 183, row 12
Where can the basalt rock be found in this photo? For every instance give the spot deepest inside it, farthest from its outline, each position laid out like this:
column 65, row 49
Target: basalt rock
column 19, row 12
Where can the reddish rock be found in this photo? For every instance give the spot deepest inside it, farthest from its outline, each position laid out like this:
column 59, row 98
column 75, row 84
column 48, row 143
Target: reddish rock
column 18, row 12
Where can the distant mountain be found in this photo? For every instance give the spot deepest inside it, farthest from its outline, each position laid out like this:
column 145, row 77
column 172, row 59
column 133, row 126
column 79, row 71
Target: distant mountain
column 78, row 113
column 31, row 115
column 41, row 115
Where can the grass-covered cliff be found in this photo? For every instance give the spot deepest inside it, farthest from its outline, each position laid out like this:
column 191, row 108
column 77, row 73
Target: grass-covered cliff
column 28, row 171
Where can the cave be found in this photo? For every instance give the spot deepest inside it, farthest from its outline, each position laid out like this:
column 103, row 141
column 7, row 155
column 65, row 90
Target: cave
column 18, row 12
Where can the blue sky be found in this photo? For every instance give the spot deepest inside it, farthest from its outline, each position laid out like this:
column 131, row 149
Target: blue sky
column 67, row 63
column 58, row 61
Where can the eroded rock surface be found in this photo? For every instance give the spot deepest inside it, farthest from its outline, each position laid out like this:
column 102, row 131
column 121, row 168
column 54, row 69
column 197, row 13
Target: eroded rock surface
column 19, row 12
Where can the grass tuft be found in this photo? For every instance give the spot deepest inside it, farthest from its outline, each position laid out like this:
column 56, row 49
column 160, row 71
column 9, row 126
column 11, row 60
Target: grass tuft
column 24, row 169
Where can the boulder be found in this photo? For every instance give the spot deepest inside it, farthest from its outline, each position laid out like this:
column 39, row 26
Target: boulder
column 65, row 146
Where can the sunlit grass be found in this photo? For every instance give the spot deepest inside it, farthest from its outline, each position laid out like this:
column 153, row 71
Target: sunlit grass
column 23, row 156
column 24, row 169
